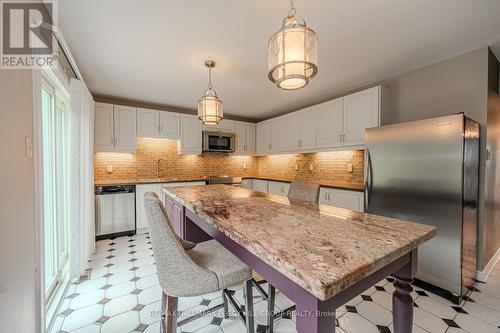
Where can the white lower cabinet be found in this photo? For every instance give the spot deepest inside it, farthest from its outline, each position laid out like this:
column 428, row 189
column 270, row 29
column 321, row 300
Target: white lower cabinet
column 141, row 189
column 260, row 185
column 246, row 184
column 279, row 188
column 342, row 198
column 141, row 218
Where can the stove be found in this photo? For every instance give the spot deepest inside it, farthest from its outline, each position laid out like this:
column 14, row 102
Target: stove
column 226, row 180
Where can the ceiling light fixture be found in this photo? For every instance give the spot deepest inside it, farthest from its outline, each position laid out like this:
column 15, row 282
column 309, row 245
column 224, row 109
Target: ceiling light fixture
column 210, row 106
column 292, row 53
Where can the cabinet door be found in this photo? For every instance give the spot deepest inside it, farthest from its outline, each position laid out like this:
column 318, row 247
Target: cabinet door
column 225, row 125
column 125, row 128
column 239, row 137
column 169, row 125
column 190, row 142
column 278, row 188
column 142, row 221
column 290, row 131
column 249, row 138
column 263, row 137
column 103, row 127
column 352, row 200
column 278, row 133
column 307, row 124
column 178, row 219
column 260, row 185
column 148, row 123
column 247, row 184
column 329, row 124
column 361, row 111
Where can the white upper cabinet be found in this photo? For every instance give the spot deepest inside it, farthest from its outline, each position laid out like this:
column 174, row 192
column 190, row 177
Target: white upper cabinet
column 300, row 129
column 329, row 124
column 279, row 133
column 170, row 125
column 104, row 136
column 337, row 123
column 263, row 139
column 158, row 124
column 225, row 125
column 148, row 123
column 115, row 128
column 249, row 138
column 190, row 142
column 125, row 128
column 361, row 111
column 239, row 137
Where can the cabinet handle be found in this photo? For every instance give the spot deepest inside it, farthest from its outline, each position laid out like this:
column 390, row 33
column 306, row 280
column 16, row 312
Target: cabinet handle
column 340, row 137
column 343, row 137
column 300, row 143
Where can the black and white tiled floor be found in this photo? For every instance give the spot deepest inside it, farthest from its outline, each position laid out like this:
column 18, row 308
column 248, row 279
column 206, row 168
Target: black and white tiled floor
column 121, row 294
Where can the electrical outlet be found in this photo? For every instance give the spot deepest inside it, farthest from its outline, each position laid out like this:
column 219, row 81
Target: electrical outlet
column 296, row 167
column 349, row 167
column 109, row 168
column 244, row 166
column 311, row 167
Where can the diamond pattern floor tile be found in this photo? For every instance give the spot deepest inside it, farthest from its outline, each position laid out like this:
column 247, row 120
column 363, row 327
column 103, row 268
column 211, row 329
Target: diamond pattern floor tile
column 131, row 301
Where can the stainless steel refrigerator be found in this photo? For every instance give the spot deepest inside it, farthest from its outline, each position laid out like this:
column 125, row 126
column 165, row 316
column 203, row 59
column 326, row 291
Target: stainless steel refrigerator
column 427, row 171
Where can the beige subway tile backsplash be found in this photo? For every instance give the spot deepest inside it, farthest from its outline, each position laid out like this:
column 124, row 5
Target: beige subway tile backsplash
column 144, row 164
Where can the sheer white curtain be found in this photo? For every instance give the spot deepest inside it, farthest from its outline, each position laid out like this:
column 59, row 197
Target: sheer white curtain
column 81, row 229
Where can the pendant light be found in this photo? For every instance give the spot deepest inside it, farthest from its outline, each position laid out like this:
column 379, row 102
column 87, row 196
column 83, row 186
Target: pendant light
column 292, row 53
column 210, row 106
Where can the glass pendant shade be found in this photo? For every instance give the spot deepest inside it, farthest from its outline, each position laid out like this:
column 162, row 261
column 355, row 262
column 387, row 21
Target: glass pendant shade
column 292, row 54
column 210, row 108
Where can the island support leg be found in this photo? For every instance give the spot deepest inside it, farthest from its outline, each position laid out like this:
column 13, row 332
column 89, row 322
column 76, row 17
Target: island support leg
column 313, row 315
column 402, row 302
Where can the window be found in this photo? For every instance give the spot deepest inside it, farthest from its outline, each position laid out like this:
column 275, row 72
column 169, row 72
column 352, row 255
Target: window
column 55, row 109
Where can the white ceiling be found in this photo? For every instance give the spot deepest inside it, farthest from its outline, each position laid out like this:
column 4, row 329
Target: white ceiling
column 153, row 50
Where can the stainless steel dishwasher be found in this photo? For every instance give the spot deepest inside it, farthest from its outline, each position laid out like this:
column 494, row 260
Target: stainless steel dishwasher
column 114, row 211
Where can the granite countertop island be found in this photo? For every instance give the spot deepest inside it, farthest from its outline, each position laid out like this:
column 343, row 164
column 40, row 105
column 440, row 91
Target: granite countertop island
column 322, row 249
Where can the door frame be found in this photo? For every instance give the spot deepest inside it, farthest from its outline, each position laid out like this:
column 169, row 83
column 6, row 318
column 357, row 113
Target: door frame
column 38, row 76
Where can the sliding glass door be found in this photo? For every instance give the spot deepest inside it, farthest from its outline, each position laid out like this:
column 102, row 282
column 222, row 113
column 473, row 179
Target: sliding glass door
column 55, row 113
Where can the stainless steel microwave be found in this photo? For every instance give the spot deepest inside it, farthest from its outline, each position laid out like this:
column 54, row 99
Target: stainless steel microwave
column 218, row 141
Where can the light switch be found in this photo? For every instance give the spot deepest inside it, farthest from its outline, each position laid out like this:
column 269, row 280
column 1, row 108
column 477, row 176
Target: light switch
column 296, row 167
column 109, row 168
column 311, row 167
column 349, row 167
column 244, row 166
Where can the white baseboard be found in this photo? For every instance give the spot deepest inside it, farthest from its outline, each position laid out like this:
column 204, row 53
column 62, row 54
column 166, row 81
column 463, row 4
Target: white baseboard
column 483, row 275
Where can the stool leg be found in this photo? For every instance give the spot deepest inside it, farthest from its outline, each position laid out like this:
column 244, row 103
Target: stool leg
column 248, row 296
column 169, row 314
column 224, row 300
column 271, row 292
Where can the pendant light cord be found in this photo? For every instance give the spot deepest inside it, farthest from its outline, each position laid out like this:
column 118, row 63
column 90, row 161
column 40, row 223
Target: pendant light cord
column 292, row 11
column 210, row 77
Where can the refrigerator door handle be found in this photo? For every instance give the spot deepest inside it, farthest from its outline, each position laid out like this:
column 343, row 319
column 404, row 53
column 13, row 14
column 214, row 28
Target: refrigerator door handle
column 368, row 178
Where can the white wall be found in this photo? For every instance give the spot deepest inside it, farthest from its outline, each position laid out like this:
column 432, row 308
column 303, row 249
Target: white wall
column 17, row 204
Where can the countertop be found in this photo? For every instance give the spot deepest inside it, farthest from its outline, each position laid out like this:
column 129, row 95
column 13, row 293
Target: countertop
column 323, row 249
column 343, row 185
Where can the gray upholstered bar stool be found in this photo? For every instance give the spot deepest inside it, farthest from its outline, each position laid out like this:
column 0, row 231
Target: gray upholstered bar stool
column 299, row 192
column 187, row 269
